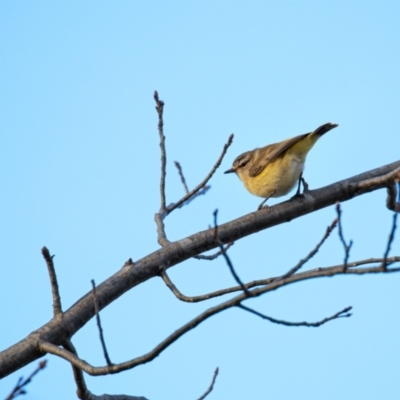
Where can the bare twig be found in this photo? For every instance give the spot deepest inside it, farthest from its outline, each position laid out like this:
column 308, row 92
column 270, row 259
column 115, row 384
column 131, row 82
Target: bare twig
column 96, row 307
column 45, row 346
column 201, row 192
column 208, row 391
column 293, row 270
column 82, row 391
column 183, row 180
column 160, row 110
column 346, row 246
column 57, row 311
column 356, row 264
column 261, row 282
column 390, row 241
column 215, row 255
column 222, row 292
column 19, row 387
column 341, row 314
column 225, row 255
column 202, row 184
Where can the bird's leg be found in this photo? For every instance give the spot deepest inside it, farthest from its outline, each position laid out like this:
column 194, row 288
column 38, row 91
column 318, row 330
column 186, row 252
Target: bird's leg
column 298, row 187
column 305, row 187
column 265, row 200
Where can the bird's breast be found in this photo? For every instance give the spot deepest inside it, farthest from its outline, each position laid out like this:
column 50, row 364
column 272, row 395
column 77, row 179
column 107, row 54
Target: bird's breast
column 277, row 179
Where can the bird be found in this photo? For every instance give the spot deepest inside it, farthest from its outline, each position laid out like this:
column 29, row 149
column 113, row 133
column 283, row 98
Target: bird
column 273, row 170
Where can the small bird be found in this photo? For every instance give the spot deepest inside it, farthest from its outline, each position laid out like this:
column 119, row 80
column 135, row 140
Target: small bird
column 273, row 170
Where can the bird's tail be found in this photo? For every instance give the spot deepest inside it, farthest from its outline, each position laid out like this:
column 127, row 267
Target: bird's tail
column 324, row 128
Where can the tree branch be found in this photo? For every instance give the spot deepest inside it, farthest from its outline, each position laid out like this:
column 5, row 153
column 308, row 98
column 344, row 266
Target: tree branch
column 346, row 246
column 341, row 314
column 293, row 270
column 390, row 241
column 57, row 310
column 202, row 184
column 202, row 191
column 160, row 110
column 183, row 180
column 102, row 341
column 45, row 346
column 19, row 387
column 227, row 259
column 174, row 253
column 82, row 391
column 211, row 387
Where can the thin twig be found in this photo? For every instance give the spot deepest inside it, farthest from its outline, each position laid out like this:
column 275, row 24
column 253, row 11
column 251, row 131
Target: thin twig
column 215, row 255
column 47, row 347
column 341, row 314
column 96, row 307
column 176, row 205
column 57, row 311
column 293, row 270
column 183, row 180
column 356, row 264
column 390, row 241
column 211, row 387
column 346, row 246
column 81, row 389
column 201, row 192
column 160, row 110
column 218, row 293
column 18, row 389
column 225, row 255
column 260, row 282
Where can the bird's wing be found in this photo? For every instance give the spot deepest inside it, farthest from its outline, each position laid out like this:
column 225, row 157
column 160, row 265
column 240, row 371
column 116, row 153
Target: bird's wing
column 271, row 152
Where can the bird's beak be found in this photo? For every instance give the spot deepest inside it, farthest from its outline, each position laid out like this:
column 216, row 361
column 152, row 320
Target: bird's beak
column 230, row 170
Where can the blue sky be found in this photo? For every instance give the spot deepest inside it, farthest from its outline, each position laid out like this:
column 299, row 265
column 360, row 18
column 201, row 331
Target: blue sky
column 80, row 174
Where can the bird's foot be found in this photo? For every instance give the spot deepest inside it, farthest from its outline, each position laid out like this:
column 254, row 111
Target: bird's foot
column 305, row 186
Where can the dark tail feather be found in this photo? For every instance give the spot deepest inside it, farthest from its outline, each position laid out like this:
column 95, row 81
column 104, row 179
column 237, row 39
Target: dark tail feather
column 324, row 128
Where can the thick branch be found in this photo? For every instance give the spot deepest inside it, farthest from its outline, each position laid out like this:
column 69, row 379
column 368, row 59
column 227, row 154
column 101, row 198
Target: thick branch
column 174, row 253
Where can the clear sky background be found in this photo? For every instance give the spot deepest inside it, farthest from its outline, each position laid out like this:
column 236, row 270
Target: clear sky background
column 80, row 166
